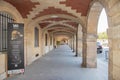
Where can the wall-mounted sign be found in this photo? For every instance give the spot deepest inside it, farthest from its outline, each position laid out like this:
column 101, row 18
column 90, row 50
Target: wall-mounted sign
column 15, row 48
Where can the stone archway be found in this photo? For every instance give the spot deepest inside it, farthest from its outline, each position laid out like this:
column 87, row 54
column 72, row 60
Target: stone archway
column 90, row 36
column 113, row 35
column 114, row 39
column 6, row 7
column 39, row 19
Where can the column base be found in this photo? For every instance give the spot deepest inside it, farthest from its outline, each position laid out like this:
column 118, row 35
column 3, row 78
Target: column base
column 88, row 65
column 76, row 55
column 83, row 65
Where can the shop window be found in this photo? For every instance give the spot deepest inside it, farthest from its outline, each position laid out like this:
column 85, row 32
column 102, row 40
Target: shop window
column 50, row 40
column 36, row 37
column 5, row 18
column 46, row 39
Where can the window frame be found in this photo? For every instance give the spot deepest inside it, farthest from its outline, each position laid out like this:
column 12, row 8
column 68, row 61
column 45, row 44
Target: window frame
column 46, row 41
column 5, row 18
column 51, row 40
column 36, row 37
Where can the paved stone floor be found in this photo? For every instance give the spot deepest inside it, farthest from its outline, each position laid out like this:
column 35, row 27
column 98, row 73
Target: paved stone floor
column 60, row 64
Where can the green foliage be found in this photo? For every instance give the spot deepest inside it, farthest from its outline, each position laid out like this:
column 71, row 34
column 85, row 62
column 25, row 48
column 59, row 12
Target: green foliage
column 102, row 35
column 58, row 42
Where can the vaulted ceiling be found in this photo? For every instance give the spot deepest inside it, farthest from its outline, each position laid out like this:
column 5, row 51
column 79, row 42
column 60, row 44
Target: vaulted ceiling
column 34, row 9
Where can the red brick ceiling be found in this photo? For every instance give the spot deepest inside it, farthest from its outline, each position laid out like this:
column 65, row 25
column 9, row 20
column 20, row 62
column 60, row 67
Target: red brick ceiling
column 52, row 10
column 42, row 25
column 61, row 29
column 55, row 19
column 80, row 5
column 59, row 25
column 74, row 24
column 62, row 33
column 23, row 6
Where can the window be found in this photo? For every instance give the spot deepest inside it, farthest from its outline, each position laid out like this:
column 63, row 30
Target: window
column 36, row 37
column 5, row 18
column 50, row 40
column 45, row 39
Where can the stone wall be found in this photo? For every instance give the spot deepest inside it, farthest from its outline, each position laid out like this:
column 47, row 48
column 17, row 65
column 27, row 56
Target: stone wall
column 114, row 39
column 6, row 7
column 3, row 66
column 30, row 50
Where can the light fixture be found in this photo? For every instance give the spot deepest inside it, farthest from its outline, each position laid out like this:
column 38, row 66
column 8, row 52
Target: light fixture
column 54, row 16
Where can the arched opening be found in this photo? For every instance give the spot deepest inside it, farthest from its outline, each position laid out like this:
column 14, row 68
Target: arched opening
column 92, row 40
column 102, row 40
column 102, row 46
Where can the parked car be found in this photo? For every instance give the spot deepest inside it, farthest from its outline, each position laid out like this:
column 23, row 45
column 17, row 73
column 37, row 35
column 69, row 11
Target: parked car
column 99, row 48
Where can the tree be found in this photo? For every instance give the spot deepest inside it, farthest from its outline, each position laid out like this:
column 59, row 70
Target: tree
column 102, row 35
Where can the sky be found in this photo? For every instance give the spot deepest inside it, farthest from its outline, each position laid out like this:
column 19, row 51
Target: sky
column 102, row 23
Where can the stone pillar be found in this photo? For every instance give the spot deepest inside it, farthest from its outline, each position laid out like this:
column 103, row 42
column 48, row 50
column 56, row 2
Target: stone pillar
column 114, row 53
column 91, row 25
column 80, row 47
column 84, row 48
column 79, row 41
column 89, row 51
column 73, row 43
column 76, row 43
column 54, row 42
column 114, row 39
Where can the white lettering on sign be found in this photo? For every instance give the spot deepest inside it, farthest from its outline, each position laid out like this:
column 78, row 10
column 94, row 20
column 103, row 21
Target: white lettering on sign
column 15, row 25
column 16, row 71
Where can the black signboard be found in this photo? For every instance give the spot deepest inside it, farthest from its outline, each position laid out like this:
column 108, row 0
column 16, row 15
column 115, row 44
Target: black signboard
column 15, row 48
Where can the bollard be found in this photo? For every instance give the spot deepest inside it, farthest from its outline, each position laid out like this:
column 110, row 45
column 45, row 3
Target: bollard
column 106, row 54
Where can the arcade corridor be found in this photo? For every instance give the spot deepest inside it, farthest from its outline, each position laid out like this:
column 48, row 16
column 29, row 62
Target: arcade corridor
column 31, row 29
column 60, row 64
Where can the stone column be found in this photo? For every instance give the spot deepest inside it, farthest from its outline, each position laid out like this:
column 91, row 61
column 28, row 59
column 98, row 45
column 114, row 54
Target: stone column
column 54, row 42
column 73, row 43
column 91, row 25
column 114, row 53
column 76, row 43
column 84, row 48
column 114, row 39
column 89, row 50
column 79, row 40
column 80, row 47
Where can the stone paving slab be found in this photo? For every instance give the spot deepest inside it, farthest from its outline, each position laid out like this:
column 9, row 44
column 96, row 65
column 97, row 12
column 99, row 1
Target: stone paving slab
column 60, row 64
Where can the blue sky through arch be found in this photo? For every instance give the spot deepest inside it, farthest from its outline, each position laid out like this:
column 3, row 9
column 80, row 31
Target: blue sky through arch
column 102, row 23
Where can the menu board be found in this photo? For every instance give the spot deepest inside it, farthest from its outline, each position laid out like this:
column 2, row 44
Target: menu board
column 15, row 39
